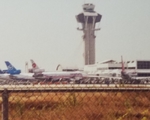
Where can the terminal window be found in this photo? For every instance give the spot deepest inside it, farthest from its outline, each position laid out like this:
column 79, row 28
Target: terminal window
column 143, row 64
column 143, row 74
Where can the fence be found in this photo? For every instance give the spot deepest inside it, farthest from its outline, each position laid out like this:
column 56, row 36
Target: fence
column 74, row 103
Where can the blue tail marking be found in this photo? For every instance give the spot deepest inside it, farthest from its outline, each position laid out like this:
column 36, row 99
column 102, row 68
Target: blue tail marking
column 11, row 69
column 10, row 66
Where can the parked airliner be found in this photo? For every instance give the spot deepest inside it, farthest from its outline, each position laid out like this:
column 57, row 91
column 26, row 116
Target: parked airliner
column 40, row 74
column 16, row 74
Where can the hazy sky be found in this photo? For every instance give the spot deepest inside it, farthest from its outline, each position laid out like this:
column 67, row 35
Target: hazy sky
column 45, row 30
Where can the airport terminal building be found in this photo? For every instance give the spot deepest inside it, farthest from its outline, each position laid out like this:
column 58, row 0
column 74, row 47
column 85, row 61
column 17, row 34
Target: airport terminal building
column 140, row 67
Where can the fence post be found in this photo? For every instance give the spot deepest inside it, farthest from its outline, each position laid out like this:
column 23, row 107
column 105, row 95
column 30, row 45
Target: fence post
column 5, row 105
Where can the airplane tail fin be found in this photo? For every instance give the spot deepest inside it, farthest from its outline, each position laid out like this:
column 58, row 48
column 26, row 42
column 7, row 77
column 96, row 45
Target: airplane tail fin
column 10, row 66
column 34, row 65
column 122, row 63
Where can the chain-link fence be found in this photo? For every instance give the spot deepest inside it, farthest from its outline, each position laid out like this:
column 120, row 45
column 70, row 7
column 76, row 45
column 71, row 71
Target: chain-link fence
column 71, row 102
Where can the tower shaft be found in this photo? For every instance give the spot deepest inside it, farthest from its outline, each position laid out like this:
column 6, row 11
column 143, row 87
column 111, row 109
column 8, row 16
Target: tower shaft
column 89, row 45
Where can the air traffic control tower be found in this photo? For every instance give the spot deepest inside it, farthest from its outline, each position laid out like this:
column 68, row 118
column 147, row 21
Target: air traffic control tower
column 88, row 18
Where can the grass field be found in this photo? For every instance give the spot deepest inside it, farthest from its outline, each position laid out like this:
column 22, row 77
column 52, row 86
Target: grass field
column 79, row 106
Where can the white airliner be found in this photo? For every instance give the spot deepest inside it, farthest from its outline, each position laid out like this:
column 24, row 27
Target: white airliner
column 40, row 74
column 75, row 75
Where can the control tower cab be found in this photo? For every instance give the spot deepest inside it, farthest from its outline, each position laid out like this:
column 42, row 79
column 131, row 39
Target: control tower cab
column 88, row 18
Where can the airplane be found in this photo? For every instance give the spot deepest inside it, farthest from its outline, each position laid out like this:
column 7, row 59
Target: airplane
column 125, row 74
column 55, row 75
column 11, row 69
column 16, row 74
column 35, row 68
